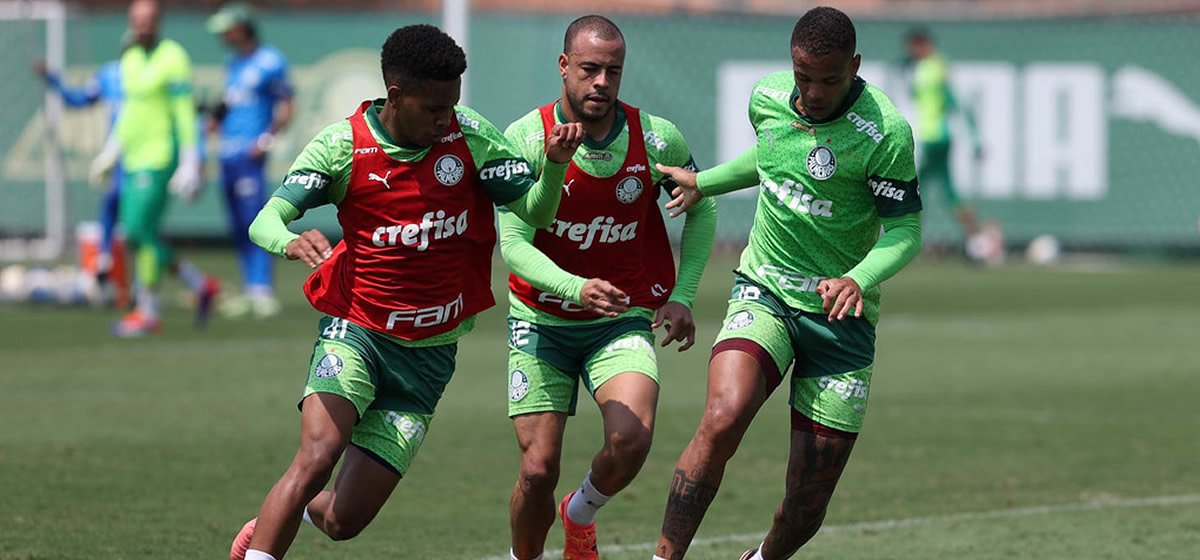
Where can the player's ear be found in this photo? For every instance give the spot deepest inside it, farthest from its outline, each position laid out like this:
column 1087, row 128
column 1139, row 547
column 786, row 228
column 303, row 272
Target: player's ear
column 854, row 64
column 563, row 61
column 394, row 94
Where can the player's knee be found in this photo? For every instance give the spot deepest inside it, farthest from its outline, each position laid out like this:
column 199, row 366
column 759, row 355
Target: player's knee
column 314, row 465
column 630, row 444
column 342, row 530
column 539, row 471
column 722, row 426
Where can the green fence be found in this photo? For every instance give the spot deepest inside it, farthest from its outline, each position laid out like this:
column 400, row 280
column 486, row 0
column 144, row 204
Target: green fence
column 1091, row 129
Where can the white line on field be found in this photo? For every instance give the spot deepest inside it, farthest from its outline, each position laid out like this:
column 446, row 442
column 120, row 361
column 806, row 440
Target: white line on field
column 889, row 524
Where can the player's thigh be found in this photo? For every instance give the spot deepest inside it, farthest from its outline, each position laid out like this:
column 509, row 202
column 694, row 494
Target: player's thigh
column 752, row 329
column 362, row 487
column 393, row 388
column 832, row 378
column 623, row 379
column 543, row 366
column 245, row 192
column 143, row 200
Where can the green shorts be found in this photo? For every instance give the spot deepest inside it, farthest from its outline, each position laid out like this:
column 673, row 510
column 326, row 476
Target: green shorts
column 395, row 388
column 546, row 363
column 831, row 376
column 935, row 170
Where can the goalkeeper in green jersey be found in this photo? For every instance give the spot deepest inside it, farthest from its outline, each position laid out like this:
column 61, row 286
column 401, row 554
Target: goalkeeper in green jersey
column 156, row 130
column 935, row 101
column 834, row 163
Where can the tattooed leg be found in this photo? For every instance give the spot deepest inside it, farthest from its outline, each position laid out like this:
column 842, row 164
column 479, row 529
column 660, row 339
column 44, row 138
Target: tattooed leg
column 815, row 465
column 736, row 390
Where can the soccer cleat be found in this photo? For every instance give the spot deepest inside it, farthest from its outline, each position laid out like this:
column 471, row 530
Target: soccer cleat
column 581, row 539
column 265, row 306
column 134, row 324
column 205, row 296
column 746, row 555
column 241, row 543
column 234, row 307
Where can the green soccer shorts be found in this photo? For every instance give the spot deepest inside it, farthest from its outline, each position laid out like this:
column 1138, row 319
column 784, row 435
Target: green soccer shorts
column 395, row 388
column 832, row 362
column 935, row 170
column 546, row 363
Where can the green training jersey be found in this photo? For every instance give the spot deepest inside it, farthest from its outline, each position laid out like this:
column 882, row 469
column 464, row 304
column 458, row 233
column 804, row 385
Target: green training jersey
column 157, row 113
column 321, row 173
column 824, row 187
column 603, row 158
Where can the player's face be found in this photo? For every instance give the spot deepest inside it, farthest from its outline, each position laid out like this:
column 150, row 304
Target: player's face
column 918, row 48
column 143, row 19
column 592, row 75
column 425, row 111
column 823, row 80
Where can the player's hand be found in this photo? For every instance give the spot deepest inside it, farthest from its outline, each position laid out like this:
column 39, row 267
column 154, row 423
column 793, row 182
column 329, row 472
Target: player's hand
column 311, row 247
column 839, row 296
column 602, row 298
column 188, row 180
column 101, row 168
column 39, row 68
column 678, row 320
column 686, row 193
column 562, row 142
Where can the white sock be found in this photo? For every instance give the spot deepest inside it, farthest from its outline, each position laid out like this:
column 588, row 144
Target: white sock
column 586, row 502
column 513, row 556
column 147, row 303
column 308, row 518
column 258, row 555
column 657, row 557
column 757, row 554
column 191, row 276
column 258, row 291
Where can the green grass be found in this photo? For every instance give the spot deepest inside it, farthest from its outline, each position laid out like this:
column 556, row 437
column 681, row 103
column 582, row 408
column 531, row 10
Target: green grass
column 995, row 390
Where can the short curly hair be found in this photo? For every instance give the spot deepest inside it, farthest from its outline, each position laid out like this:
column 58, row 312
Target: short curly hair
column 824, row 30
column 416, row 53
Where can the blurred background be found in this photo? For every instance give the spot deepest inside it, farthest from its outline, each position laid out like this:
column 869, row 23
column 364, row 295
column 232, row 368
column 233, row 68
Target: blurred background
column 1085, row 110
column 1039, row 406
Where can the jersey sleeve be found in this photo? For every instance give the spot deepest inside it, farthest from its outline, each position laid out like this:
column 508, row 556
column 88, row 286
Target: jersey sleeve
column 666, row 145
column 279, row 86
column 322, row 170
column 503, row 172
column 528, row 137
column 179, row 88
column 892, row 172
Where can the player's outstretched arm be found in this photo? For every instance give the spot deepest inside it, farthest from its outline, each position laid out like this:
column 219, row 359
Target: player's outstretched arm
column 269, row 231
column 532, row 265
column 736, row 174
column 539, row 204
column 898, row 246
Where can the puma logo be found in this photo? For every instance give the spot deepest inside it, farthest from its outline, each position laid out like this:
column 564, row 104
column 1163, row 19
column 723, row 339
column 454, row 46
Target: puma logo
column 567, row 186
column 384, row 179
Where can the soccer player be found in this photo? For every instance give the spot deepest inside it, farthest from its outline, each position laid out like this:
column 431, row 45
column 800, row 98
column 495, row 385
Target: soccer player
column 834, row 161
column 587, row 292
column 156, row 130
column 934, row 101
column 103, row 87
column 414, row 178
column 257, row 104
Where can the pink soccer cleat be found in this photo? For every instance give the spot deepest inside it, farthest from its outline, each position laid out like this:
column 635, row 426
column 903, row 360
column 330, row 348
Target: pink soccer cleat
column 241, row 543
column 581, row 539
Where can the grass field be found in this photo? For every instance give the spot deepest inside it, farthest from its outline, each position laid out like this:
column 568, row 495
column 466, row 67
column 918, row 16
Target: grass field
column 1016, row 413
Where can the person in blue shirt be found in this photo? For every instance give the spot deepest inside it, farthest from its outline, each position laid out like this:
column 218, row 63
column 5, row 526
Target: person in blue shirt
column 256, row 105
column 103, row 87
